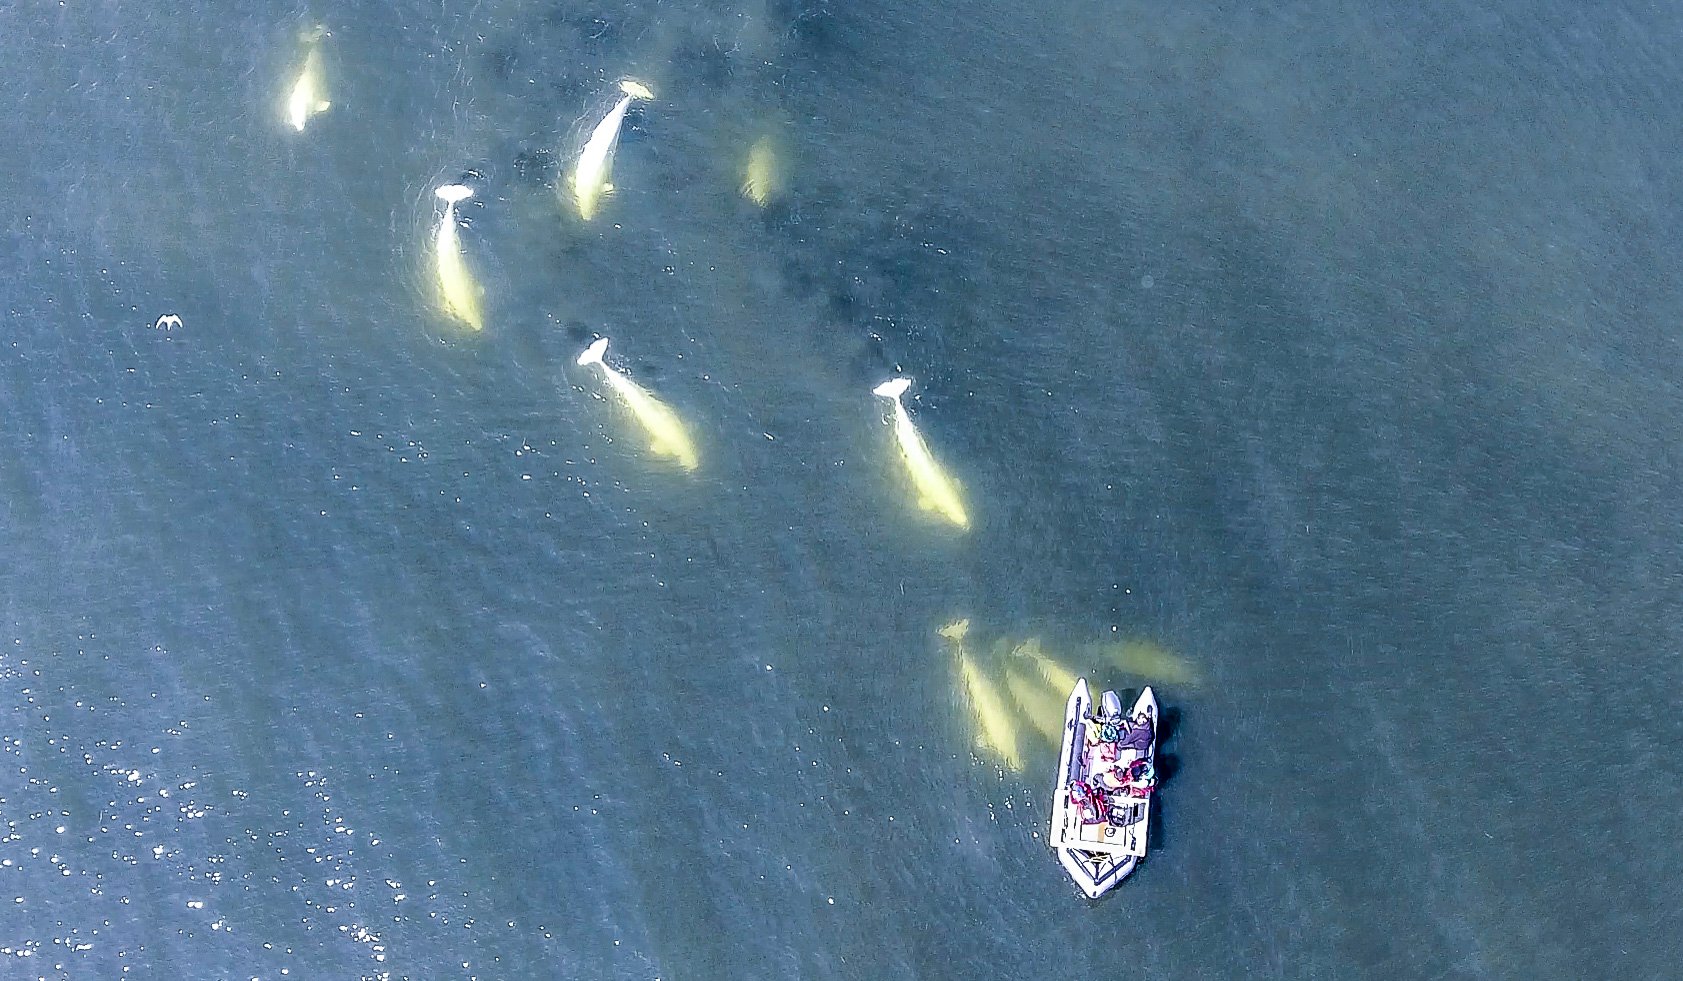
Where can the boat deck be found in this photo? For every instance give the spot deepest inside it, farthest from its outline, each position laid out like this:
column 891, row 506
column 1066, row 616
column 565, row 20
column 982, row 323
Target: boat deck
column 1124, row 834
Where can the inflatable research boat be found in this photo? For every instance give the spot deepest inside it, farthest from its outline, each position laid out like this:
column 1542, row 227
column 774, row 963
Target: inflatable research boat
column 1101, row 803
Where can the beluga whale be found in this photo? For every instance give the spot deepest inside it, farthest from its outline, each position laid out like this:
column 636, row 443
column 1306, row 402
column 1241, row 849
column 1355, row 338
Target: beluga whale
column 592, row 174
column 309, row 91
column 1059, row 679
column 762, row 173
column 458, row 294
column 996, row 731
column 937, row 491
column 667, row 434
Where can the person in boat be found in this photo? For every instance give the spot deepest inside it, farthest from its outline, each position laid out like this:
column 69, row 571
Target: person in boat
column 1118, row 732
column 1127, row 776
column 1090, row 804
column 1126, row 783
column 1138, row 779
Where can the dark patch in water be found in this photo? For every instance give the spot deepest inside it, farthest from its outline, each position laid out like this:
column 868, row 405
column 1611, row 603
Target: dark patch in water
column 799, row 277
column 581, row 332
column 502, row 62
column 810, row 24
column 871, row 364
column 563, row 59
column 842, row 305
column 535, row 167
column 777, row 213
column 704, row 65
column 895, row 274
column 601, row 28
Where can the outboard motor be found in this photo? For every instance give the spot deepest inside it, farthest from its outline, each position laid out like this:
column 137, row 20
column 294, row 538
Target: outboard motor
column 1110, row 705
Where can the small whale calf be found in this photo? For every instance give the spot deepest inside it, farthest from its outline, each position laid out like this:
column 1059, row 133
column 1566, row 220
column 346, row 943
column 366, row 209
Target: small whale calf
column 937, row 492
column 309, row 92
column 592, row 175
column 762, row 175
column 457, row 291
column 667, row 434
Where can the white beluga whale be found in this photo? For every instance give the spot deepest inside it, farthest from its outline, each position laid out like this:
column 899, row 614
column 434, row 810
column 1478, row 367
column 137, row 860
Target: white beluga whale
column 668, row 436
column 308, row 95
column 996, row 731
column 457, row 292
column 1039, row 706
column 592, row 175
column 762, row 172
column 1059, row 679
column 937, row 491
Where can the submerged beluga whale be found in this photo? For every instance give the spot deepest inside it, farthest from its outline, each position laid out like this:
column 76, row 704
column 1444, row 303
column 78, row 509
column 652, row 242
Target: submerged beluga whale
column 937, row 491
column 458, row 293
column 996, row 731
column 592, row 175
column 667, row 435
column 762, row 172
column 308, row 95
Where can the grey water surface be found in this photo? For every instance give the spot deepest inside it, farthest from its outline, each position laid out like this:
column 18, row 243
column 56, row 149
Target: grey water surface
column 1333, row 348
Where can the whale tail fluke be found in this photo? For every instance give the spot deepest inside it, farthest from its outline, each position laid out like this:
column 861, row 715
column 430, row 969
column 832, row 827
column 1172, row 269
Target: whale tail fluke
column 893, row 388
column 451, row 193
column 636, row 89
column 593, row 353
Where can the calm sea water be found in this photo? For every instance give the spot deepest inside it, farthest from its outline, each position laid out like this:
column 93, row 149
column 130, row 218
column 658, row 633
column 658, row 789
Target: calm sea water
column 1333, row 350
